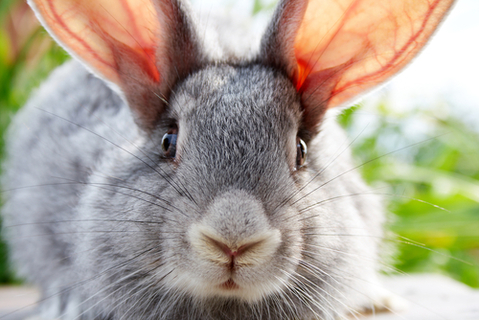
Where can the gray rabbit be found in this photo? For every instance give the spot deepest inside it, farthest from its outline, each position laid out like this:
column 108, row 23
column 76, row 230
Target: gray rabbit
column 154, row 178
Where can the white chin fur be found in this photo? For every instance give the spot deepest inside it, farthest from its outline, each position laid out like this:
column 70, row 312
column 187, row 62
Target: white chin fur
column 201, row 289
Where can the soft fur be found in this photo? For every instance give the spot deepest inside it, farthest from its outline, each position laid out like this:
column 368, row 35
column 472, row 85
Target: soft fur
column 110, row 228
column 94, row 240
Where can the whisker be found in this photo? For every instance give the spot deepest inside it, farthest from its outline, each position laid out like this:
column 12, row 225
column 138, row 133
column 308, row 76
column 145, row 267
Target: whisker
column 116, row 145
column 81, row 220
column 100, row 186
column 96, row 232
column 338, row 153
column 145, row 290
column 100, row 291
column 97, row 184
column 405, row 241
column 305, row 209
column 118, row 281
column 129, row 294
column 311, row 299
column 352, row 277
column 75, row 285
column 363, row 164
column 369, row 259
column 304, row 264
column 290, row 303
column 181, row 187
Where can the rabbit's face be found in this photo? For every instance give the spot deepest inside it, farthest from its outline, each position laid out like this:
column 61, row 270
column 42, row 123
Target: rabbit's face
column 236, row 156
column 220, row 216
column 211, row 219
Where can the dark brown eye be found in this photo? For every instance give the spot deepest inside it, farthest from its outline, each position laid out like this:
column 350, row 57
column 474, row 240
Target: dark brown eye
column 301, row 151
column 168, row 143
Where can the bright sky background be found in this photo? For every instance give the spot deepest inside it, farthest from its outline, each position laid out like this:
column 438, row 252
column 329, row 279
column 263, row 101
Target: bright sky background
column 447, row 71
column 448, row 68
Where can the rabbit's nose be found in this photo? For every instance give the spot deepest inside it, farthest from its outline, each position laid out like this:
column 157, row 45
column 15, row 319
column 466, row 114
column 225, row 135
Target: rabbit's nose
column 235, row 231
column 211, row 246
column 233, row 252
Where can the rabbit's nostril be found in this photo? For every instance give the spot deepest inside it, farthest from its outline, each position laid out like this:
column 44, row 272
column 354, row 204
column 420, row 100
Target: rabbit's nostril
column 233, row 252
column 229, row 252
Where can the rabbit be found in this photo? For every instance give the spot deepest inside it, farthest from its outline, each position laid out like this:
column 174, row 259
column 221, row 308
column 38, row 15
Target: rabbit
column 161, row 175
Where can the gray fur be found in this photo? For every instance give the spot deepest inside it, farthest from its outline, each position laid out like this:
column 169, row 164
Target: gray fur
column 100, row 220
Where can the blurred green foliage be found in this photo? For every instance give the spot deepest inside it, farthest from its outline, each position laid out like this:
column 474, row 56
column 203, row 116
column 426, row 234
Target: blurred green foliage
column 427, row 170
column 25, row 60
column 426, row 165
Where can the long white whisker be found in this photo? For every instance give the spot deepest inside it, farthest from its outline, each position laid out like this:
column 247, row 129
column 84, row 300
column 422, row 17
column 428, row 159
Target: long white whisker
column 304, row 264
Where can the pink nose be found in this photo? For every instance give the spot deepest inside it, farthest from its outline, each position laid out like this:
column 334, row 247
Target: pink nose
column 233, row 253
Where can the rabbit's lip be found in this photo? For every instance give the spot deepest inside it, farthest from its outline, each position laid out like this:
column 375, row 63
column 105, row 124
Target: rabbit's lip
column 229, row 285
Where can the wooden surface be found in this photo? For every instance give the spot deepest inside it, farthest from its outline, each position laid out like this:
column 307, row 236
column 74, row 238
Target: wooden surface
column 19, row 300
column 431, row 297
column 428, row 297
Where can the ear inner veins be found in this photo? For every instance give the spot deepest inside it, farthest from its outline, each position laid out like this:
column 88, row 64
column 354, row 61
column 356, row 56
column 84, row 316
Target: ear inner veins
column 360, row 44
column 92, row 31
column 393, row 64
column 58, row 19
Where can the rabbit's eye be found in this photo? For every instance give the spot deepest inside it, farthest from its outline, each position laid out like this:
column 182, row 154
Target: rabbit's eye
column 168, row 143
column 301, row 151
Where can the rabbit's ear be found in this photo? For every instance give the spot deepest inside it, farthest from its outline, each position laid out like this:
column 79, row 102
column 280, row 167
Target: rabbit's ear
column 334, row 50
column 141, row 46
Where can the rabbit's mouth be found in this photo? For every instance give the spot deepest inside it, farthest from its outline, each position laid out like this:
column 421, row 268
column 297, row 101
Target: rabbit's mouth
column 229, row 285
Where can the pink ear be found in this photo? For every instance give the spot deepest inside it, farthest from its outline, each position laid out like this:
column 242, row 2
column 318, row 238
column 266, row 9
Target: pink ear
column 89, row 30
column 334, row 50
column 142, row 46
